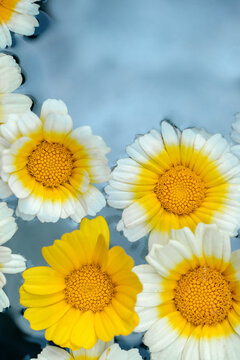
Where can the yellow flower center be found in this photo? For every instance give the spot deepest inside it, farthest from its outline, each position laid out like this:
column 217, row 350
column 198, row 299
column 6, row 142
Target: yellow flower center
column 88, row 288
column 180, row 190
column 203, row 296
column 50, row 164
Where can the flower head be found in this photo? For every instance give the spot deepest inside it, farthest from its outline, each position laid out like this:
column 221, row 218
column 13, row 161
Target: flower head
column 101, row 351
column 87, row 293
column 9, row 263
column 175, row 179
column 17, row 16
column 190, row 304
column 51, row 167
column 10, row 80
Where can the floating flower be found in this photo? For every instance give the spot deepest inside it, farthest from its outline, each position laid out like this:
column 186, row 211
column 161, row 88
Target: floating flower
column 17, row 16
column 87, row 293
column 190, row 304
column 176, row 179
column 51, row 167
column 98, row 352
column 10, row 80
column 9, row 263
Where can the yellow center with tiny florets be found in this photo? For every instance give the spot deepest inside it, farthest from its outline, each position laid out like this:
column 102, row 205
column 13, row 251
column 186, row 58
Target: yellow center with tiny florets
column 203, row 296
column 180, row 191
column 89, row 288
column 50, row 164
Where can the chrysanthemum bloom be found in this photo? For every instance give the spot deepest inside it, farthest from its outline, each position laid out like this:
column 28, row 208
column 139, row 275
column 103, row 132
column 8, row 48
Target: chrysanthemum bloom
column 51, row 167
column 10, row 80
column 190, row 304
column 176, row 179
column 101, row 351
column 17, row 16
column 9, row 263
column 88, row 293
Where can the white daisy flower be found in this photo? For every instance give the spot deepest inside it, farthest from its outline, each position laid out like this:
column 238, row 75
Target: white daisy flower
column 51, row 167
column 9, row 263
column 190, row 304
column 17, row 16
column 175, row 179
column 10, row 80
column 101, row 351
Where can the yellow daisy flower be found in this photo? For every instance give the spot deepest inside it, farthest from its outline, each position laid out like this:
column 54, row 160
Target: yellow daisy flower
column 87, row 293
column 101, row 351
column 10, row 80
column 175, row 179
column 17, row 16
column 51, row 167
column 190, row 304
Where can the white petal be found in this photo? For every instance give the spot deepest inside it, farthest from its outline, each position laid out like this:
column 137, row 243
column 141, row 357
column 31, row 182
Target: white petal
column 135, row 233
column 5, row 190
column 170, row 133
column 27, row 7
column 187, row 238
column 165, row 258
column 13, row 103
column 29, row 123
column 5, row 37
column 22, row 24
column 162, row 334
column 217, row 245
column 17, row 187
column 10, row 130
column 5, row 255
column 15, row 265
column 191, row 349
column 57, row 126
column 53, row 106
column 147, row 317
column 94, row 199
column 95, row 352
column 157, row 237
column 173, row 351
column 50, row 211
column 54, row 353
column 23, row 216
column 4, row 301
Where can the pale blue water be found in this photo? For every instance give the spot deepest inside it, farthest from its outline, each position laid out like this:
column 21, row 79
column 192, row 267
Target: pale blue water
column 121, row 67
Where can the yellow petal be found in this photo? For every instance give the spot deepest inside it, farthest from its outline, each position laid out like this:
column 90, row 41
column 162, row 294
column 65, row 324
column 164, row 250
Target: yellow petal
column 42, row 280
column 118, row 260
column 60, row 332
column 42, row 318
column 31, row 300
column 84, row 334
column 61, row 257
column 104, row 327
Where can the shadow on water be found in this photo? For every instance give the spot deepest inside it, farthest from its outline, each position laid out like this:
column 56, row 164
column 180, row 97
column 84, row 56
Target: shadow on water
column 14, row 344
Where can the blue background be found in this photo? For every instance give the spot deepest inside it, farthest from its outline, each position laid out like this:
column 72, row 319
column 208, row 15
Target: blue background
column 121, row 67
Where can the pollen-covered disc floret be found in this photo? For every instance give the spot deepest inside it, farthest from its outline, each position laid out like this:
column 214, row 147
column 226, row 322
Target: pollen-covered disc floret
column 180, row 190
column 203, row 296
column 89, row 288
column 50, row 164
